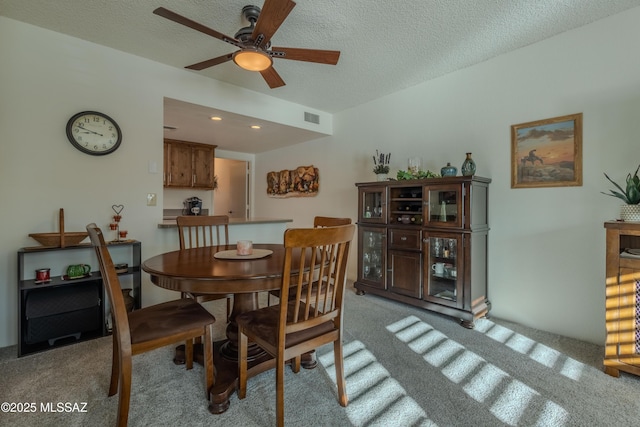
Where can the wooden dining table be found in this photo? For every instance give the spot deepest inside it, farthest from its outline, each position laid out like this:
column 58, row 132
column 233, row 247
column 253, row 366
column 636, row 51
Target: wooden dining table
column 198, row 271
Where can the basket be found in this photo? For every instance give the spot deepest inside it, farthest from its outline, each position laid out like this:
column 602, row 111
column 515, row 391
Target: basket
column 60, row 239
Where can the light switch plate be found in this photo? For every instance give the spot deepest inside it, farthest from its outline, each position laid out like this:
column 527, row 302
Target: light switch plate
column 151, row 199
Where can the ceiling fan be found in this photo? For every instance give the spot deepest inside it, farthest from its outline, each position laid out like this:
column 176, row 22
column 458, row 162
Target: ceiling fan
column 254, row 42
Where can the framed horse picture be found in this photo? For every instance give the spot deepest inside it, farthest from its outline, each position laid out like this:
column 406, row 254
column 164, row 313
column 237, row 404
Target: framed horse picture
column 547, row 153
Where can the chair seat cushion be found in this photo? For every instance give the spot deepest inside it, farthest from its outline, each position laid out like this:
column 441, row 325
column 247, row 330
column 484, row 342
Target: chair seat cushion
column 159, row 321
column 264, row 324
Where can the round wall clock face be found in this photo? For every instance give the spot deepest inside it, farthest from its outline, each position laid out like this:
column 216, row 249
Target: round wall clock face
column 94, row 133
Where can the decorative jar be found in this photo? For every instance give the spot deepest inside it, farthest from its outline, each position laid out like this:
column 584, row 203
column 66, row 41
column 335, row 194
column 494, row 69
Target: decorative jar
column 449, row 170
column 414, row 165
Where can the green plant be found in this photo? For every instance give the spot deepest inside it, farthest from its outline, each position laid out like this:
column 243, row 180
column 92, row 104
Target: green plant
column 630, row 195
column 404, row 175
column 381, row 163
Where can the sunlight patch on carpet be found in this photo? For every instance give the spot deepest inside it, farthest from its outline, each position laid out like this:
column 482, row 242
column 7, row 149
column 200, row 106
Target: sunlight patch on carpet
column 542, row 354
column 374, row 397
column 508, row 398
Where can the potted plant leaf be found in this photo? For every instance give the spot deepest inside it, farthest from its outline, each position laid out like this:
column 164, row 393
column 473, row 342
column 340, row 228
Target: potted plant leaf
column 630, row 195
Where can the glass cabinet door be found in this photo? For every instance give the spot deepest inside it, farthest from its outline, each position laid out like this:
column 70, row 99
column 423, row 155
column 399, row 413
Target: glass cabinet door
column 372, row 207
column 443, row 205
column 443, row 271
column 372, row 257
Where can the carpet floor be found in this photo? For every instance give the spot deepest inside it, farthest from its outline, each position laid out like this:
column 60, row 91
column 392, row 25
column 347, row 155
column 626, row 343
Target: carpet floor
column 405, row 367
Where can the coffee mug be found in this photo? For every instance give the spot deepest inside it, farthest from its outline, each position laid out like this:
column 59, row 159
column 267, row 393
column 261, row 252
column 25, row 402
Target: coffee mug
column 78, row 270
column 245, row 247
column 438, row 268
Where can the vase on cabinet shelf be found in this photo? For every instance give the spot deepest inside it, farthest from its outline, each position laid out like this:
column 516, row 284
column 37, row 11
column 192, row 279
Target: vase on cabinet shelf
column 381, row 176
column 449, row 170
column 468, row 166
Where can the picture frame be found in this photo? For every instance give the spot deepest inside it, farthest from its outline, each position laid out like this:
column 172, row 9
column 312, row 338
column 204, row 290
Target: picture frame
column 547, row 153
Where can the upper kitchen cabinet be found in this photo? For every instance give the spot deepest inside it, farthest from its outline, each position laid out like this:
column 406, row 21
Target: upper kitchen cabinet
column 188, row 164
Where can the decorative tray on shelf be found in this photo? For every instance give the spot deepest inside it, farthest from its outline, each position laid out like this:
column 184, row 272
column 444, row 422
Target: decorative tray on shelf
column 62, row 238
column 84, row 276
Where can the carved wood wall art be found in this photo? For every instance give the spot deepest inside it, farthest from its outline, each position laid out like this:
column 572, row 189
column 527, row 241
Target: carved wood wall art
column 304, row 181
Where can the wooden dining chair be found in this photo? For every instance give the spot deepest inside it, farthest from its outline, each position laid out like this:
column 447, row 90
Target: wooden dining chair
column 310, row 319
column 318, row 221
column 201, row 231
column 328, row 221
column 147, row 329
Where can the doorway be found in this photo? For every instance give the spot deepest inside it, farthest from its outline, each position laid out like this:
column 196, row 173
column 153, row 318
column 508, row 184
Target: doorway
column 231, row 197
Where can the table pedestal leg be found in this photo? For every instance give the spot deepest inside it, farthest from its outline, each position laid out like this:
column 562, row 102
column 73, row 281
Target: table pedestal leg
column 225, row 357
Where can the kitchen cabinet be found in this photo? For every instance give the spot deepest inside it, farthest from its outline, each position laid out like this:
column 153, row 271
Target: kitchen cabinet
column 622, row 303
column 64, row 311
column 188, row 164
column 431, row 236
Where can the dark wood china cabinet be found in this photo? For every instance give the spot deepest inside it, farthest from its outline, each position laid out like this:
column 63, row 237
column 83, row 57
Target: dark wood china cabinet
column 424, row 242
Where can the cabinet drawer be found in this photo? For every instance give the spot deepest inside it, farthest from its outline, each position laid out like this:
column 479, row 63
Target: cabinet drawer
column 405, row 239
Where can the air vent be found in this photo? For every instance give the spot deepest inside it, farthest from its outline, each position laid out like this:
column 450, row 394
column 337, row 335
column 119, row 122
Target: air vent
column 311, row 118
column 169, row 128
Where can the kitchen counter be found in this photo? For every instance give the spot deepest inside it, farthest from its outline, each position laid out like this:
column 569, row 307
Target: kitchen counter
column 171, row 223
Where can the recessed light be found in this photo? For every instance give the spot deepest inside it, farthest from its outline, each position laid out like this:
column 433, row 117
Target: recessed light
column 255, row 127
column 216, row 118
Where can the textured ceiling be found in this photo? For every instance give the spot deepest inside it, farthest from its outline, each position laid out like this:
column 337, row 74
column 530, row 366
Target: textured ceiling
column 386, row 45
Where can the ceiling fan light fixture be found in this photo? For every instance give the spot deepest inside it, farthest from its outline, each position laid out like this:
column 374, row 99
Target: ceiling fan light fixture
column 252, row 59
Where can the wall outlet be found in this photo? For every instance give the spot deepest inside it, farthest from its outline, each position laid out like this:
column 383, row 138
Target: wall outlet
column 151, row 199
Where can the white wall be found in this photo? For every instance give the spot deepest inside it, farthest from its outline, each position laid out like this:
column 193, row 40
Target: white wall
column 46, row 78
column 546, row 245
column 546, row 260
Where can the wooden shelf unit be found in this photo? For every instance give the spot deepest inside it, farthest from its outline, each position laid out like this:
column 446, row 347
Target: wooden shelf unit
column 622, row 347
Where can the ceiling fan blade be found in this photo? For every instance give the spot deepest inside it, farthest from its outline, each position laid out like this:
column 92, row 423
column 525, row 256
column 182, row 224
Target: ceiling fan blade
column 273, row 14
column 210, row 62
column 272, row 78
column 172, row 16
column 310, row 55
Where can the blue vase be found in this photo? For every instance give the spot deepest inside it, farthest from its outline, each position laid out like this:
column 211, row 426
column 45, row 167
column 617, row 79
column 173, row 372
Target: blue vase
column 449, row 170
column 469, row 166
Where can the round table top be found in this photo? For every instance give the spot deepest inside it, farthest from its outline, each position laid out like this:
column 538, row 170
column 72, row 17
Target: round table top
column 198, row 271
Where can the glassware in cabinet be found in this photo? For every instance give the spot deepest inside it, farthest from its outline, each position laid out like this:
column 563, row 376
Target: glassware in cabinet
column 443, row 205
column 443, row 269
column 372, row 256
column 372, row 206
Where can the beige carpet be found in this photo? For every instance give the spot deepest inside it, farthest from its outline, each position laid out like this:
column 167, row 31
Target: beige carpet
column 404, row 367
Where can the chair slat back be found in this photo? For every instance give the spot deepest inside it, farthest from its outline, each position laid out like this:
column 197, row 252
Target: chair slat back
column 327, row 221
column 319, row 287
column 201, row 231
column 112, row 285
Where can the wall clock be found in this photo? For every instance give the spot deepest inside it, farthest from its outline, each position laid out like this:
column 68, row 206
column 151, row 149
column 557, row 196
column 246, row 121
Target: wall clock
column 94, row 133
